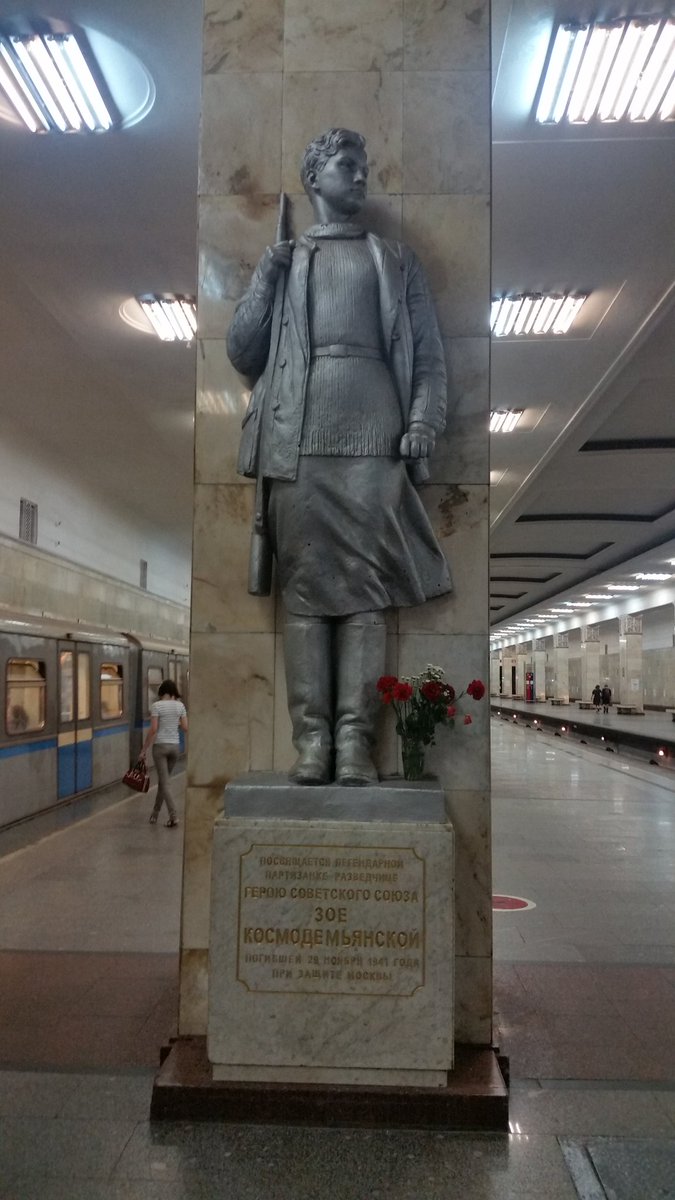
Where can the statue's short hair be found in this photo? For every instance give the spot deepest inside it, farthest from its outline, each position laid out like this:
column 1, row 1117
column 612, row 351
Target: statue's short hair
column 323, row 147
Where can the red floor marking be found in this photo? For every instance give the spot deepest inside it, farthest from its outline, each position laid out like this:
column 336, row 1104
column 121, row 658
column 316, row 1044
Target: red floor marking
column 509, row 903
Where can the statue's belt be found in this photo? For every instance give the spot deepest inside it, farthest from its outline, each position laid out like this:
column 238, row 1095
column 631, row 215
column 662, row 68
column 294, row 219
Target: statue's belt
column 341, row 351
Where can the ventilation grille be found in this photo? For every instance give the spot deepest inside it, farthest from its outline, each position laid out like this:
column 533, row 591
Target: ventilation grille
column 28, row 521
column 144, row 574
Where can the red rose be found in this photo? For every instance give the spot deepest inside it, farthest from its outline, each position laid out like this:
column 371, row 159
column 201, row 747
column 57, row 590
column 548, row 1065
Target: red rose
column 452, row 711
column 432, row 691
column 468, row 720
column 386, row 682
column 402, row 692
column 476, row 689
column 449, row 692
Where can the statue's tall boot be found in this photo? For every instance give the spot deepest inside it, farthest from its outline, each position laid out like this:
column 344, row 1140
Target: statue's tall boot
column 360, row 652
column 309, row 670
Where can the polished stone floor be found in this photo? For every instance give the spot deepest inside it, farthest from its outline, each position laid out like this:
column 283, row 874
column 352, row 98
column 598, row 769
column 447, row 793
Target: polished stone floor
column 585, row 1001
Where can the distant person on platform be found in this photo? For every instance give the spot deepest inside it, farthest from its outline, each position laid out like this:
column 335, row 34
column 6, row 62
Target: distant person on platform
column 606, row 698
column 339, row 331
column 167, row 718
column 597, row 697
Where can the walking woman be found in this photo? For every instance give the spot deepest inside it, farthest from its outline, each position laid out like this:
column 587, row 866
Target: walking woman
column 168, row 717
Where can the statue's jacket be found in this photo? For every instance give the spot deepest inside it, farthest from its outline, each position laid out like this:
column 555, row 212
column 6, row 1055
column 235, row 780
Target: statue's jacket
column 268, row 342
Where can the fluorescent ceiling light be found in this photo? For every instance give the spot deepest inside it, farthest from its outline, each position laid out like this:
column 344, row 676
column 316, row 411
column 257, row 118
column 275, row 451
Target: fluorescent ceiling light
column 598, row 596
column 173, row 318
column 578, row 604
column 610, row 70
column 534, row 313
column 50, row 84
column 652, row 576
column 504, row 420
column 624, row 587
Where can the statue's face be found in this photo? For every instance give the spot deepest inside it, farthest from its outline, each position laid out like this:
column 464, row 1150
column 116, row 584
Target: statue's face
column 343, row 180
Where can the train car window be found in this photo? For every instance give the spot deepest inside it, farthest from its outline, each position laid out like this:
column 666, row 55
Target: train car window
column 66, row 687
column 26, row 692
column 83, row 686
column 155, row 677
column 111, row 691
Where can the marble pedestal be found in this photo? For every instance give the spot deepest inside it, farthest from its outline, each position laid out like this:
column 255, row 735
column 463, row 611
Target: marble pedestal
column 331, row 956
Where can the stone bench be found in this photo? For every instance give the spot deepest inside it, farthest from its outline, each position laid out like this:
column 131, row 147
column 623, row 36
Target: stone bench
column 628, row 710
column 586, row 704
column 559, row 701
column 672, row 712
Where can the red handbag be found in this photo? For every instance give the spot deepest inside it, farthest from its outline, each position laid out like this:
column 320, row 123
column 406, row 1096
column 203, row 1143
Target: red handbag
column 137, row 777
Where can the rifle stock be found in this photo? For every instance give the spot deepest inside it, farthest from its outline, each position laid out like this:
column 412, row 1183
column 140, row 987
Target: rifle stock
column 260, row 551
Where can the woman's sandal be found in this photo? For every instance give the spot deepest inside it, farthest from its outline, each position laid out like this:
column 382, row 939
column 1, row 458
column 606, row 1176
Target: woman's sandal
column 153, row 818
column 171, row 822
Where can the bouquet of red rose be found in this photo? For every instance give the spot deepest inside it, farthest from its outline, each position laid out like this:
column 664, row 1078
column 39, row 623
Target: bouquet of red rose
column 420, row 703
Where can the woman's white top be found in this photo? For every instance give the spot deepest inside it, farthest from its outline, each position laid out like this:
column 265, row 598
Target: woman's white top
column 168, row 714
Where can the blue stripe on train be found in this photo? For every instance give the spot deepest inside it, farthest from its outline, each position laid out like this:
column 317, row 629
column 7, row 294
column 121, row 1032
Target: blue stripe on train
column 108, row 730
column 27, row 748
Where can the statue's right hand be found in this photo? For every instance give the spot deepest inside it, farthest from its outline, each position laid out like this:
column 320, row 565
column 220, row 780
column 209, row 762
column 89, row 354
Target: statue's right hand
column 275, row 259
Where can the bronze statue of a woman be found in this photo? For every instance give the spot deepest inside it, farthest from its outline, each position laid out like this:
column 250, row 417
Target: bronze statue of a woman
column 339, row 333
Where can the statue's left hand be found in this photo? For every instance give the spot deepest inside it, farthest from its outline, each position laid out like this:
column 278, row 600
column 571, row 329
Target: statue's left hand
column 418, row 442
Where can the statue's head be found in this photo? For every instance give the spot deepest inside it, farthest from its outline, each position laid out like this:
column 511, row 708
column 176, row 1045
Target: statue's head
column 335, row 167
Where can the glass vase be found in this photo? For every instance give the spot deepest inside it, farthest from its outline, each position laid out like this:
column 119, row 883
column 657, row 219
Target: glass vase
column 413, row 759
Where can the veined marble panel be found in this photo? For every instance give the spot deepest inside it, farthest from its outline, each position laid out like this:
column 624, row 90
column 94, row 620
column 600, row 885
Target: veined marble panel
column 243, row 36
column 193, row 996
column 442, row 36
column 460, row 758
column 446, row 132
column 462, row 452
column 473, row 1000
column 469, row 813
column 459, row 516
column 350, row 36
column 233, row 232
column 231, row 706
column 241, row 154
column 222, row 400
column 202, row 806
column 369, row 101
column 451, row 234
column 220, row 554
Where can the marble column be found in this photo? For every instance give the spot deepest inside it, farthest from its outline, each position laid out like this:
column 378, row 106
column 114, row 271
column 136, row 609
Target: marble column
column 590, row 660
column 540, row 669
column 630, row 661
column 414, row 78
column 560, row 663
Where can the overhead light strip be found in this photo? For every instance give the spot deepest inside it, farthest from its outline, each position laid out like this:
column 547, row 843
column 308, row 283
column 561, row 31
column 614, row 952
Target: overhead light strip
column 173, row 318
column 534, row 313
column 50, row 85
column 609, row 71
column 504, row 420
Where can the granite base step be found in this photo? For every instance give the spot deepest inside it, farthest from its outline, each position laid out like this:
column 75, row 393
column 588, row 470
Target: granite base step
column 476, row 1096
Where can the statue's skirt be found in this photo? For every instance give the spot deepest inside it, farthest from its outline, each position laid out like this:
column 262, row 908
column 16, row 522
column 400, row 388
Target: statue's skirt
column 352, row 535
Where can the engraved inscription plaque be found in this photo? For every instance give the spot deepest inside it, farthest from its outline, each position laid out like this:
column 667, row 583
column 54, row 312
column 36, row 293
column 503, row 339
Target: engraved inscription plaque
column 337, row 920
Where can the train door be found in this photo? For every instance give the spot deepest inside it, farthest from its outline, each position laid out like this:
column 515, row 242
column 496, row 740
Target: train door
column 75, row 764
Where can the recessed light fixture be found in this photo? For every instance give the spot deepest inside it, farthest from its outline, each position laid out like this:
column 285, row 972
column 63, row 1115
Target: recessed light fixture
column 504, row 420
column 609, row 70
column 652, row 576
column 597, row 596
column 51, row 84
column 578, row 604
column 624, row 587
column 534, row 313
column 173, row 318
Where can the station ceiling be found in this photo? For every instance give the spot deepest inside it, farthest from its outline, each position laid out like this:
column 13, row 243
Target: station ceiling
column 587, row 480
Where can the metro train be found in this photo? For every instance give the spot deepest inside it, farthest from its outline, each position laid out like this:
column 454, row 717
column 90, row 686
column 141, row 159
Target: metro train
column 75, row 705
